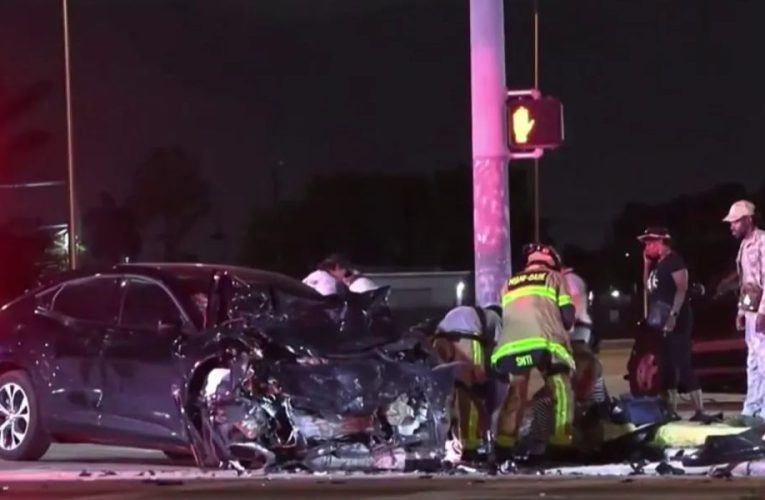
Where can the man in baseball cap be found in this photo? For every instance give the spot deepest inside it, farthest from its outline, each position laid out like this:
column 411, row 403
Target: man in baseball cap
column 655, row 233
column 739, row 210
column 669, row 312
column 750, row 266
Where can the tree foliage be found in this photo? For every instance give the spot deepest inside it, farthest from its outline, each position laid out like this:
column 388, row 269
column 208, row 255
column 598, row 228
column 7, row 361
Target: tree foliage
column 169, row 190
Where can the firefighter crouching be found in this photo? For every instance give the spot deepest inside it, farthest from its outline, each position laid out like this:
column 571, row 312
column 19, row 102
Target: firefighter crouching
column 469, row 334
column 537, row 316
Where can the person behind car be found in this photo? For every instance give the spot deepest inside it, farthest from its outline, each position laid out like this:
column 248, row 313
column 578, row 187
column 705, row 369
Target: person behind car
column 200, row 301
column 669, row 313
column 537, row 316
column 467, row 333
column 750, row 264
column 330, row 272
column 357, row 282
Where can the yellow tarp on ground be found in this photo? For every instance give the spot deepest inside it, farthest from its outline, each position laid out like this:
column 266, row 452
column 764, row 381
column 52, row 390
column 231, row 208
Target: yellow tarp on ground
column 691, row 434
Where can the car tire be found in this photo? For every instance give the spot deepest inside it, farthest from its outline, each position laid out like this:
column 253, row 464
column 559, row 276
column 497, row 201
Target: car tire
column 644, row 375
column 22, row 435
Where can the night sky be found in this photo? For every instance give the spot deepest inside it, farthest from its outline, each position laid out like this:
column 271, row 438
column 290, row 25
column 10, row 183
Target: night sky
column 661, row 97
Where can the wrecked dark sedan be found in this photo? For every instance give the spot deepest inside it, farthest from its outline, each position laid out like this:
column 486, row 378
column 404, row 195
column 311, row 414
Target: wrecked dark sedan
column 228, row 365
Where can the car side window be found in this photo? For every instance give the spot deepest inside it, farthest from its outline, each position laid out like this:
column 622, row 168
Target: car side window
column 146, row 305
column 45, row 299
column 96, row 299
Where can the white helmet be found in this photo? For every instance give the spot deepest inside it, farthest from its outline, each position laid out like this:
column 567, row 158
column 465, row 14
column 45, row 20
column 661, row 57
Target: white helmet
column 362, row 284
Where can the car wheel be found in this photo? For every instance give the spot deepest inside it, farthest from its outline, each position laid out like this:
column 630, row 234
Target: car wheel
column 22, row 436
column 644, row 375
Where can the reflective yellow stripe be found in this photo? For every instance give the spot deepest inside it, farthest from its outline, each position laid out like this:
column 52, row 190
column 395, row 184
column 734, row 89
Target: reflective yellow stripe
column 531, row 290
column 560, row 410
column 564, row 300
column 477, row 352
column 532, row 344
column 559, row 441
column 504, row 440
column 473, row 440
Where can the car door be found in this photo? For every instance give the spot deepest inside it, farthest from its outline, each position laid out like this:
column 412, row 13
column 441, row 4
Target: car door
column 78, row 315
column 141, row 356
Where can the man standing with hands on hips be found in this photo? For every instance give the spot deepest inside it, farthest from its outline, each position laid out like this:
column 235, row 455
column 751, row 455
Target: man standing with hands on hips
column 750, row 264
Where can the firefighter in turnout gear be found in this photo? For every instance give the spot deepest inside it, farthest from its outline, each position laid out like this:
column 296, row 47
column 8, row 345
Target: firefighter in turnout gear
column 465, row 334
column 537, row 316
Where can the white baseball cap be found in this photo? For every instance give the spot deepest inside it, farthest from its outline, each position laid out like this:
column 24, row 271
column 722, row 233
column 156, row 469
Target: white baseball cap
column 738, row 210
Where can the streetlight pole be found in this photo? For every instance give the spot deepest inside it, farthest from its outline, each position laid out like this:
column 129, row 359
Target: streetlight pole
column 491, row 198
column 69, row 143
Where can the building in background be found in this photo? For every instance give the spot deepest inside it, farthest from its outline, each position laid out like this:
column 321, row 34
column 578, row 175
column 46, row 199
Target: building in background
column 416, row 295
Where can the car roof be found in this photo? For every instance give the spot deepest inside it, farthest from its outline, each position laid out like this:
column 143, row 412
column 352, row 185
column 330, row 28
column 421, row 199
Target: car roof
column 251, row 276
column 178, row 272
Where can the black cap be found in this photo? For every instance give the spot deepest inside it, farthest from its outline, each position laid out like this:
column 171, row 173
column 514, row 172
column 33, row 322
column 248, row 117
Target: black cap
column 655, row 233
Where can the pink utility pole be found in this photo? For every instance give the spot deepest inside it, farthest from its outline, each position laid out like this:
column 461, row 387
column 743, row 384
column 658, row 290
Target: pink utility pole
column 491, row 200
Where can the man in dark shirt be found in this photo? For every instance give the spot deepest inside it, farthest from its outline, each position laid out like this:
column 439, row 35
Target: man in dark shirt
column 666, row 279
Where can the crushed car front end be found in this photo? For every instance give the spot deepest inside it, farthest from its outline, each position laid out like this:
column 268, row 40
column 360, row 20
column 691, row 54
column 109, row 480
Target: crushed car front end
column 262, row 400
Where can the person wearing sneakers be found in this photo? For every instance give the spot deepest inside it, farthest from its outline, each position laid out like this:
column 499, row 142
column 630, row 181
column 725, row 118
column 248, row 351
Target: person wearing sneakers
column 537, row 315
column 669, row 312
column 750, row 264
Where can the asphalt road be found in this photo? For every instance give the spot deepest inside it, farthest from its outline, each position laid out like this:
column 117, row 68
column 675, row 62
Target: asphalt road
column 90, row 471
column 418, row 487
column 78, row 457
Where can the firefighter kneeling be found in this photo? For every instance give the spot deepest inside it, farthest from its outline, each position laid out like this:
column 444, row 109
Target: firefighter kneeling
column 537, row 315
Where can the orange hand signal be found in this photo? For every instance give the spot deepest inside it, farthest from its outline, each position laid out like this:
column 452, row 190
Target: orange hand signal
column 522, row 126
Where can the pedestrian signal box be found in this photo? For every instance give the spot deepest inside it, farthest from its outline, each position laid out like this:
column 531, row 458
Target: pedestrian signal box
column 534, row 123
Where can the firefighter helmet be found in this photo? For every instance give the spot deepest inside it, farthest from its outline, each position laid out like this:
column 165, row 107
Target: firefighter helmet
column 539, row 253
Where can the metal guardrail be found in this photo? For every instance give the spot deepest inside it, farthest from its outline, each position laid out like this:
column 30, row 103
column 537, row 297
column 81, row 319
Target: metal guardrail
column 41, row 184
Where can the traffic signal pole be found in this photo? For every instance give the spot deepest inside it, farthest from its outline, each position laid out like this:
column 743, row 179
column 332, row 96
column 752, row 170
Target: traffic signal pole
column 72, row 229
column 491, row 199
column 536, row 87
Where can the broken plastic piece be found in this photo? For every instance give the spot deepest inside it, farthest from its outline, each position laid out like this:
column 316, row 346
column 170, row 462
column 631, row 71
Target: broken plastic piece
column 741, row 447
column 665, row 469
